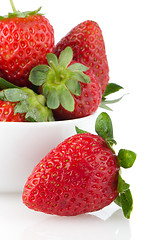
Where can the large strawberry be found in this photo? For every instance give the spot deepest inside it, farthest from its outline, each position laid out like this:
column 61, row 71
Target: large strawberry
column 71, row 89
column 81, row 175
column 25, row 39
column 88, row 45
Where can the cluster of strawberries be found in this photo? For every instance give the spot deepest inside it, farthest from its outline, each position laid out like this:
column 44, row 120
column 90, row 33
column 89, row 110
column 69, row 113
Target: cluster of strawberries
column 71, row 76
column 43, row 82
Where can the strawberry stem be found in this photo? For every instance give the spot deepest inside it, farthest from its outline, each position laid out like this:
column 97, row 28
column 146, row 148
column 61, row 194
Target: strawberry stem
column 13, row 6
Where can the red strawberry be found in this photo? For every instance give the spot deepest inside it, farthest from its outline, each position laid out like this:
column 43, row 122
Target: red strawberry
column 85, row 104
column 7, row 112
column 88, row 46
column 80, row 175
column 25, row 39
column 71, row 89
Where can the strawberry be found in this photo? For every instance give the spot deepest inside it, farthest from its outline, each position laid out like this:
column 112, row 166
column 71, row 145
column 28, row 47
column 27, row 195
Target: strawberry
column 71, row 89
column 25, row 39
column 22, row 104
column 85, row 104
column 81, row 175
column 7, row 112
column 88, row 46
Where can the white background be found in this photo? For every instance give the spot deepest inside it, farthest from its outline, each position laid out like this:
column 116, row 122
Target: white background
column 130, row 29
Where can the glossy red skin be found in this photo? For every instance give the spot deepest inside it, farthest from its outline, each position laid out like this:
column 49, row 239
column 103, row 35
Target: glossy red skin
column 87, row 43
column 7, row 113
column 80, row 175
column 24, row 43
column 85, row 104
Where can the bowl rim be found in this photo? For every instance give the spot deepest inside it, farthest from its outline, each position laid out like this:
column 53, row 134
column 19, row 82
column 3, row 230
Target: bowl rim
column 48, row 123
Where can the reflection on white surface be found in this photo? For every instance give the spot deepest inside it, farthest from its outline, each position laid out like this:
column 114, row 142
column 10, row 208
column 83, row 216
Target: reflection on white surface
column 17, row 222
column 87, row 227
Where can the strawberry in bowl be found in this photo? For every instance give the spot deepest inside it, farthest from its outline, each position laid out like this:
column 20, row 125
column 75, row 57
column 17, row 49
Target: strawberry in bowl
column 71, row 89
column 87, row 42
column 25, row 39
column 7, row 113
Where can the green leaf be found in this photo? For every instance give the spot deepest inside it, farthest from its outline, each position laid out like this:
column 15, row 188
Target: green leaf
column 79, row 131
column 45, row 90
column 32, row 115
column 126, row 203
column 124, row 198
column 29, row 13
column 13, row 95
column 112, row 101
column 104, row 106
column 53, row 99
column 50, row 117
column 126, row 158
column 104, row 127
column 111, row 88
column 40, row 115
column 66, row 98
column 80, row 76
column 5, row 84
column 122, row 185
column 78, row 67
column 111, row 141
column 21, row 14
column 51, row 58
column 34, row 107
column 22, row 107
column 118, row 200
column 66, row 57
column 38, row 75
column 74, row 87
column 105, row 102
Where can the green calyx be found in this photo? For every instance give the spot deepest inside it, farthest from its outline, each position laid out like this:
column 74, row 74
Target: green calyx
column 5, row 84
column 18, row 13
column 126, row 159
column 59, row 80
column 30, row 103
column 104, row 128
column 110, row 89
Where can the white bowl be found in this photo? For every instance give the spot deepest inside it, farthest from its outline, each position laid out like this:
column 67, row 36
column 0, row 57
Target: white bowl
column 23, row 145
